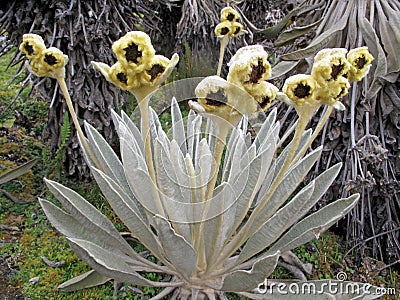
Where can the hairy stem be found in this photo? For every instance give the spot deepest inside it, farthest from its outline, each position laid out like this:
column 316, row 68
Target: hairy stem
column 143, row 101
column 82, row 138
column 223, row 43
column 317, row 130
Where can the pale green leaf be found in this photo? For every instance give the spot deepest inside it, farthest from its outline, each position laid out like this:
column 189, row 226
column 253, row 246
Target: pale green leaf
column 271, row 230
column 289, row 36
column 313, row 225
column 18, row 171
column 72, row 228
column 85, row 213
column 86, row 280
column 111, row 264
column 178, row 129
column 245, row 280
column 127, row 211
column 177, row 250
column 319, row 43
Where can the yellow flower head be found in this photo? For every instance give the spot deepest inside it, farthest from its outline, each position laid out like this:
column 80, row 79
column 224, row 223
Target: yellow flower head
column 360, row 60
column 32, row 45
column 236, row 29
column 331, row 92
column 223, row 29
column 155, row 70
column 134, row 51
column 264, row 93
column 118, row 75
column 300, row 88
column 249, row 65
column 229, row 14
column 51, row 63
column 221, row 98
column 330, row 64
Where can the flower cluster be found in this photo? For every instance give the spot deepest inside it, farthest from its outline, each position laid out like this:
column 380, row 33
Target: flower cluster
column 243, row 92
column 137, row 65
column 330, row 78
column 248, row 69
column 229, row 26
column 43, row 61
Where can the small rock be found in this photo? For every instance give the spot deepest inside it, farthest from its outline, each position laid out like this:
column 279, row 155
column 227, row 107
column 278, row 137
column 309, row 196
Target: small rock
column 34, row 280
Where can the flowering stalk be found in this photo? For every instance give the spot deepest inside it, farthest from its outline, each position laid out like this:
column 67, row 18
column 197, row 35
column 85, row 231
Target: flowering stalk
column 223, row 43
column 51, row 62
column 140, row 71
column 229, row 27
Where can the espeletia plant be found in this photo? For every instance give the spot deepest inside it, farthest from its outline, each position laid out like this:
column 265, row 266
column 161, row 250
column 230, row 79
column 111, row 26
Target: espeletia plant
column 216, row 207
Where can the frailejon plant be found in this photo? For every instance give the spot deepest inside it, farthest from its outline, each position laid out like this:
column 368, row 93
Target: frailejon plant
column 213, row 226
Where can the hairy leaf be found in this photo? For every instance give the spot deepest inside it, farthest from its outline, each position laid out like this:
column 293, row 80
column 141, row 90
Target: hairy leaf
column 244, row 280
column 86, row 280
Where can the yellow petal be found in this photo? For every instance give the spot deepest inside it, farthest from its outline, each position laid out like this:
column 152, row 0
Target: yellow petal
column 223, row 29
column 360, row 60
column 134, row 51
column 300, row 88
column 32, row 45
column 229, row 14
column 264, row 93
column 121, row 78
column 249, row 65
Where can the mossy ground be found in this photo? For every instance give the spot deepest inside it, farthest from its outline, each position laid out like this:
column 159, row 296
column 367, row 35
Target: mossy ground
column 24, row 273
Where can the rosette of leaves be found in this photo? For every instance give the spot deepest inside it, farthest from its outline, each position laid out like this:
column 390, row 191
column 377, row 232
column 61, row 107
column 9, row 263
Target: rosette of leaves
column 229, row 243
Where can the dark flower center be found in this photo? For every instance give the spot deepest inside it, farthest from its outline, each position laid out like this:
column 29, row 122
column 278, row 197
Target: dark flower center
column 50, row 59
column 155, row 71
column 132, row 53
column 336, row 69
column 216, row 99
column 122, row 78
column 28, row 48
column 361, row 62
column 257, row 72
column 230, row 17
column 237, row 30
column 341, row 94
column 302, row 90
column 265, row 102
column 224, row 30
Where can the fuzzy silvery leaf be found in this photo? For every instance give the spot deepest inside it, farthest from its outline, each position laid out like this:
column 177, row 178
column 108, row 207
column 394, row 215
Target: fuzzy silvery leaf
column 272, row 229
column 86, row 280
column 266, row 126
column 320, row 42
column 245, row 280
column 109, row 161
column 248, row 183
column 217, row 227
column 110, row 263
column 72, row 228
column 178, row 129
column 177, row 250
column 234, row 153
column 193, row 132
column 18, row 171
column 313, row 225
column 285, row 188
column 290, row 213
column 85, row 213
column 127, row 211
